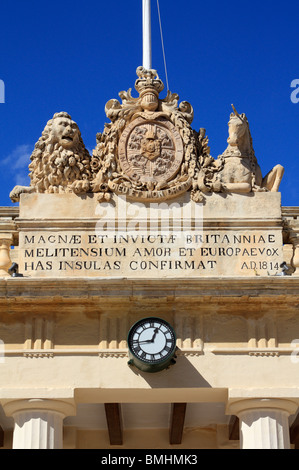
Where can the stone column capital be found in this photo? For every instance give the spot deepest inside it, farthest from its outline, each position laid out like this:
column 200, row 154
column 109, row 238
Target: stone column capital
column 264, row 422
column 64, row 407
column 239, row 406
column 38, row 422
column 6, row 236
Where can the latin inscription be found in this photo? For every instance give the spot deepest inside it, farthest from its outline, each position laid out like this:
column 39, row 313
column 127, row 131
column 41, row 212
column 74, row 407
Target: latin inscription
column 199, row 254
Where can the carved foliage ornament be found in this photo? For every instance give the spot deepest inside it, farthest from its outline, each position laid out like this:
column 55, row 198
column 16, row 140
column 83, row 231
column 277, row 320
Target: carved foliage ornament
column 148, row 151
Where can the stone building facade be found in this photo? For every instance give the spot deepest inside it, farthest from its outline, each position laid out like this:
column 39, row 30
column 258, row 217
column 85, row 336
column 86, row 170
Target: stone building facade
column 149, row 227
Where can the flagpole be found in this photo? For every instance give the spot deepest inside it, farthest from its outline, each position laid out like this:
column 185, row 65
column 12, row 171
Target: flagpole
column 147, row 39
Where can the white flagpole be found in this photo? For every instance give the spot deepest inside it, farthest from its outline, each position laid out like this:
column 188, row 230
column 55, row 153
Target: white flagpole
column 147, row 39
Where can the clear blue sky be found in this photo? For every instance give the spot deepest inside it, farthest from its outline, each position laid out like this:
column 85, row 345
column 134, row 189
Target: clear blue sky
column 76, row 55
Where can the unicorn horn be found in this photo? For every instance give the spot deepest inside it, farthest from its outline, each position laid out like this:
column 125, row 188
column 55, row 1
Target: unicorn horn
column 235, row 111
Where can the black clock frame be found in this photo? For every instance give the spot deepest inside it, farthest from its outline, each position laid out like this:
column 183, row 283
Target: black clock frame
column 151, row 365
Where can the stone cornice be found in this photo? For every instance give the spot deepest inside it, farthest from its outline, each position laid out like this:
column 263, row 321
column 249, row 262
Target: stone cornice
column 283, row 289
column 290, row 211
column 9, row 211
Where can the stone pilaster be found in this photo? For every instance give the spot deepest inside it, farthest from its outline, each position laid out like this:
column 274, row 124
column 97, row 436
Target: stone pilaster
column 263, row 422
column 38, row 422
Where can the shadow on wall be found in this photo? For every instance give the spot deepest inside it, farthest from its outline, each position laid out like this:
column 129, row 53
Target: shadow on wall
column 180, row 375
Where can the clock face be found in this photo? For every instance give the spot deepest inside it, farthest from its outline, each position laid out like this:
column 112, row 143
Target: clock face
column 152, row 340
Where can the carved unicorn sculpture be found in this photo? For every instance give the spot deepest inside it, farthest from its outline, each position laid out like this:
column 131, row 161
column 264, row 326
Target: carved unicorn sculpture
column 240, row 172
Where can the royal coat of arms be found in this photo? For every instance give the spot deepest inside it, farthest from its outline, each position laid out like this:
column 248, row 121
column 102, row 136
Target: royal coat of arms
column 153, row 149
column 150, row 152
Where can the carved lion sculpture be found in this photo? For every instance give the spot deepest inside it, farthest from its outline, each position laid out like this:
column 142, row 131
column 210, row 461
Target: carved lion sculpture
column 60, row 163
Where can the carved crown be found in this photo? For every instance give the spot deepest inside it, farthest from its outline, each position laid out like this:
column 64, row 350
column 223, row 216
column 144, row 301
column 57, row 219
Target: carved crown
column 149, row 86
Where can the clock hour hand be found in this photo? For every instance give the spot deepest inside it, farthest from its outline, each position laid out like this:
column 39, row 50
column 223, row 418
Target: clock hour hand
column 154, row 335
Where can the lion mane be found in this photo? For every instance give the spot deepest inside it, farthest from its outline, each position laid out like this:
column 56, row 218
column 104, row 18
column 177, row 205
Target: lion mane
column 55, row 169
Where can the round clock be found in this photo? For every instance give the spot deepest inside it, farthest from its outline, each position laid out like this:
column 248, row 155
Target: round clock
column 152, row 344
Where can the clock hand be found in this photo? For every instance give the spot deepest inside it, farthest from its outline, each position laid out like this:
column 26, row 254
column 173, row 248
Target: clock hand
column 155, row 334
